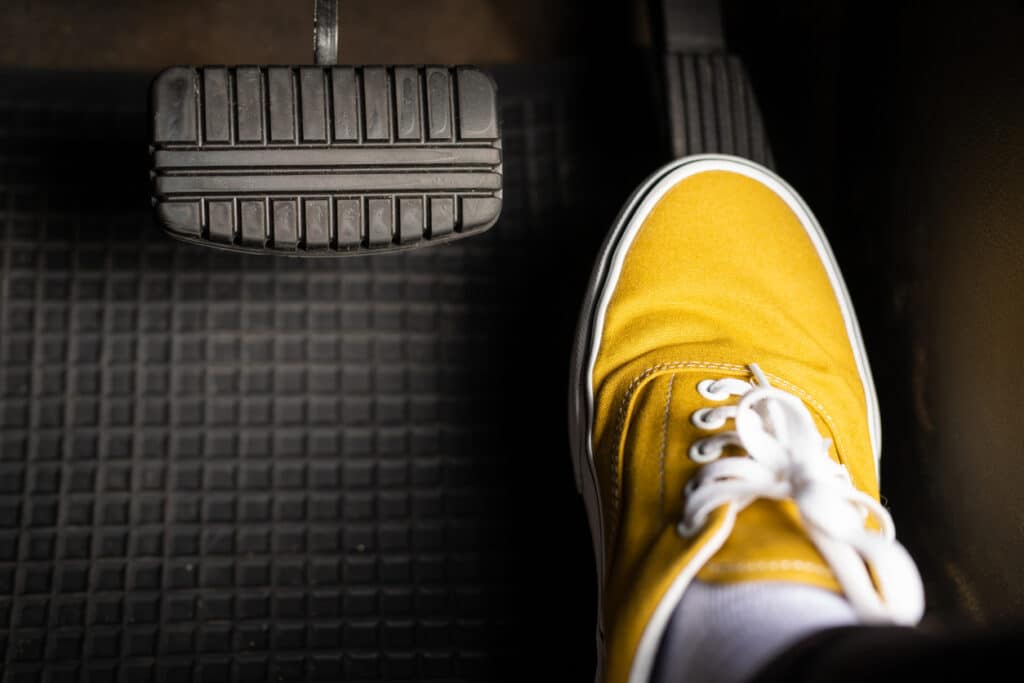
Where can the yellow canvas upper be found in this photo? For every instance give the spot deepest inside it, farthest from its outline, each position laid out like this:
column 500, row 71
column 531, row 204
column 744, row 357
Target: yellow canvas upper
column 721, row 274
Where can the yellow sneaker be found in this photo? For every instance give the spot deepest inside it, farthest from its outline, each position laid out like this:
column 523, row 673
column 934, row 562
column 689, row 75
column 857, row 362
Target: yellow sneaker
column 723, row 419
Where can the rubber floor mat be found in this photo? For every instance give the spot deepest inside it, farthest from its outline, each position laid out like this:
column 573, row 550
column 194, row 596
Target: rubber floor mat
column 217, row 466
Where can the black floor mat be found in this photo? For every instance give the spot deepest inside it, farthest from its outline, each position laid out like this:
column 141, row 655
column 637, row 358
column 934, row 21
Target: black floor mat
column 225, row 467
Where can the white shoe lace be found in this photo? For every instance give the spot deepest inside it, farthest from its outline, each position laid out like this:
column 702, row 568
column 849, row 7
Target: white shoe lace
column 788, row 459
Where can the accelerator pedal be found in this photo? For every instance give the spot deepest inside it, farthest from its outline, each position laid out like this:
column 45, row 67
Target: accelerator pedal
column 710, row 101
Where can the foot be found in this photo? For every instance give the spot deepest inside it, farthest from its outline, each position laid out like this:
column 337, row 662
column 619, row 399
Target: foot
column 724, row 423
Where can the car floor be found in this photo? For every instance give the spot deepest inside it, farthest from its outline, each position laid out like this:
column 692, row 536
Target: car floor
column 222, row 466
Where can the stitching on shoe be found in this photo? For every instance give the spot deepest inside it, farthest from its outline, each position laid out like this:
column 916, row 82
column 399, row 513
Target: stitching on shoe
column 768, row 566
column 664, row 442
column 690, row 364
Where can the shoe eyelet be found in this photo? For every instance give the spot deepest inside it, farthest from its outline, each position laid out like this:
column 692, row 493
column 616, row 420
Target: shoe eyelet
column 706, row 389
column 700, row 419
column 691, row 486
column 686, row 531
column 699, row 452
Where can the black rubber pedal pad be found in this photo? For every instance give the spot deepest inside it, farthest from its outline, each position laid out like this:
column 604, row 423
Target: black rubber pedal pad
column 325, row 160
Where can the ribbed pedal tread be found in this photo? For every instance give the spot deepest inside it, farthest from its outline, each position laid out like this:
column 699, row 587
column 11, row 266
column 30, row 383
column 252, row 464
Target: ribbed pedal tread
column 325, row 161
column 712, row 107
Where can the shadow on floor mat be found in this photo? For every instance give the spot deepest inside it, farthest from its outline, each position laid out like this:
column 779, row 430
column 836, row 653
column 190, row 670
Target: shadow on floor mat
column 225, row 467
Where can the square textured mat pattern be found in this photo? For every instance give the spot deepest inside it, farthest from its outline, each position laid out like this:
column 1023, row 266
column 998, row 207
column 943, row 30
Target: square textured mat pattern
column 218, row 467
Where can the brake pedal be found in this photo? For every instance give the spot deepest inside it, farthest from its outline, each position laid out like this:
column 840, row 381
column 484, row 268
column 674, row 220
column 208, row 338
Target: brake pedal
column 325, row 160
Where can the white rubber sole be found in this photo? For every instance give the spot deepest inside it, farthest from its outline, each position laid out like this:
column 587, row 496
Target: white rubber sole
column 603, row 280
